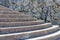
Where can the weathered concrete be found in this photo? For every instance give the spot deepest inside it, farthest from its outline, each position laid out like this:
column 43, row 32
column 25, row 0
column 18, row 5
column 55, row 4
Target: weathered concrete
column 4, row 9
column 23, row 23
column 14, row 16
column 24, row 28
column 17, row 19
column 23, row 35
column 53, row 36
column 9, row 12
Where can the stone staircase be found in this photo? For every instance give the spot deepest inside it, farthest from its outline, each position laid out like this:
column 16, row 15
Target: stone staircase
column 18, row 26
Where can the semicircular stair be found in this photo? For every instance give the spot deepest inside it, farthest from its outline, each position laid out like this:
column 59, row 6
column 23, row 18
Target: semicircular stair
column 18, row 26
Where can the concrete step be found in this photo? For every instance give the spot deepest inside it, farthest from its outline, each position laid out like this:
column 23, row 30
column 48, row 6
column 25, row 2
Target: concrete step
column 25, row 23
column 53, row 36
column 23, row 35
column 24, row 28
column 2, row 6
column 11, row 12
column 17, row 19
column 14, row 16
column 5, row 9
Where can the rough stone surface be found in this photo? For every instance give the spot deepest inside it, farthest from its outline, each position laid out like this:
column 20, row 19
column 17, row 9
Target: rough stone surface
column 48, row 10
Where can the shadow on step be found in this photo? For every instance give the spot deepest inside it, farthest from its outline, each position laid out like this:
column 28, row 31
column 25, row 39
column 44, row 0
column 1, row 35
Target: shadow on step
column 38, row 36
column 24, row 30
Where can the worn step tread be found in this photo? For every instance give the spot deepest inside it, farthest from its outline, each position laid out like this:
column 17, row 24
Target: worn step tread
column 14, row 16
column 10, row 12
column 28, row 34
column 17, row 19
column 23, row 23
column 5, row 8
column 24, row 28
column 52, row 36
column 1, row 7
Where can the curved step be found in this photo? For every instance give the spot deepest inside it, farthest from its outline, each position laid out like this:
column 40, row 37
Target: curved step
column 24, row 28
column 10, row 12
column 5, row 9
column 23, row 23
column 29, row 34
column 2, row 6
column 17, row 19
column 53, row 36
column 14, row 16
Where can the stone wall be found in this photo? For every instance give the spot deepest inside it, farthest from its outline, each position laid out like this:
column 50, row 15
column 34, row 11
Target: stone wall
column 48, row 10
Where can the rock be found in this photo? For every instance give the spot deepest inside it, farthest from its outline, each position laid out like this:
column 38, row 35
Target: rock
column 48, row 10
column 58, row 2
